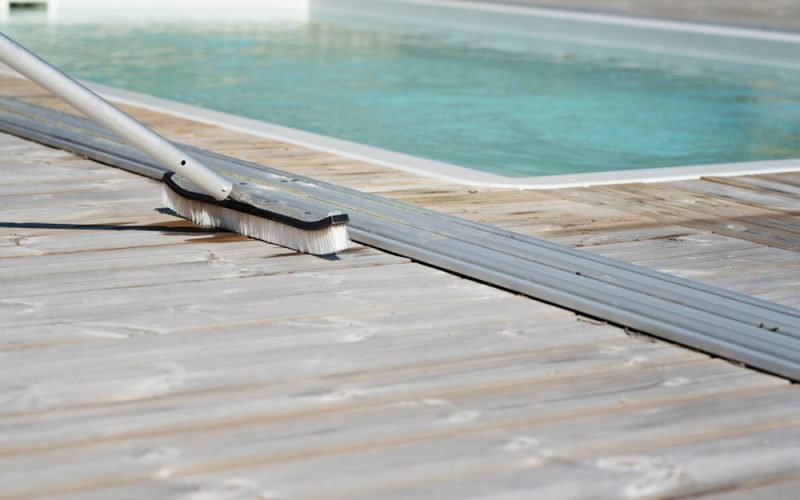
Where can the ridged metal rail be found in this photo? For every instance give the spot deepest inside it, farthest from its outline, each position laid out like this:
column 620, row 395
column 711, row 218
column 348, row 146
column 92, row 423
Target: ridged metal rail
column 730, row 325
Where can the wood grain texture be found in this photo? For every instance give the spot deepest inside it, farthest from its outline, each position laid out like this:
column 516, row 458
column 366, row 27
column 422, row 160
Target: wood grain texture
column 144, row 357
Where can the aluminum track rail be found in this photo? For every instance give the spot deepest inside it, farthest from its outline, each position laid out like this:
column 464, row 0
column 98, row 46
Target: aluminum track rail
column 730, row 325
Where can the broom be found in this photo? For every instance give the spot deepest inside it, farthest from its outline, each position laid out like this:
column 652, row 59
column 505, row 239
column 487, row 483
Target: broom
column 196, row 193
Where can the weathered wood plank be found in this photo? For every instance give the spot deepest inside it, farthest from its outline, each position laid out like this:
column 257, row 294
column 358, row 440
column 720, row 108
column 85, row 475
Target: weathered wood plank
column 777, row 489
column 715, row 200
column 222, row 252
column 762, row 184
column 264, row 445
column 211, row 383
column 759, row 226
column 740, row 195
column 285, row 289
column 537, row 470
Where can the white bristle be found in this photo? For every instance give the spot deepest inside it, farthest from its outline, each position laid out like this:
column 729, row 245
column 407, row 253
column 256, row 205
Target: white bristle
column 317, row 242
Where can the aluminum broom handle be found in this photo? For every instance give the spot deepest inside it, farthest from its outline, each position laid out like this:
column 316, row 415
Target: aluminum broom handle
column 101, row 111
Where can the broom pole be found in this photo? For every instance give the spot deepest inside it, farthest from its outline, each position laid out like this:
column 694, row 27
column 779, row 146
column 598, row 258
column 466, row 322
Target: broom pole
column 104, row 113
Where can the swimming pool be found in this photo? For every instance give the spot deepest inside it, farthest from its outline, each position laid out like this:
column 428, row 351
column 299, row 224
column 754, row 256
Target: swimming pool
column 503, row 102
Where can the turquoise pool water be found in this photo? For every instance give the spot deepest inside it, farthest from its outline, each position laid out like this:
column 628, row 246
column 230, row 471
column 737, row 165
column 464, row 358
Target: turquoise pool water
column 491, row 102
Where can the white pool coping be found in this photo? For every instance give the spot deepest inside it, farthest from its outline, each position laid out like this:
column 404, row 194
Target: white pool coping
column 461, row 175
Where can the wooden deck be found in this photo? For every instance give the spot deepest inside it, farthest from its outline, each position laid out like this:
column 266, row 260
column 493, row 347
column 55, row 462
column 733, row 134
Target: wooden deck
column 144, row 357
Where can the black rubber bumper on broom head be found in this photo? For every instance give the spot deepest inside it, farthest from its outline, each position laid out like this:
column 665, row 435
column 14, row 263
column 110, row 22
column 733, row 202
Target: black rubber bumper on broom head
column 262, row 202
